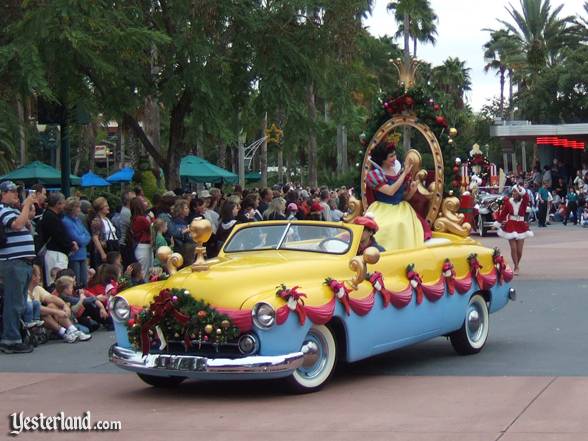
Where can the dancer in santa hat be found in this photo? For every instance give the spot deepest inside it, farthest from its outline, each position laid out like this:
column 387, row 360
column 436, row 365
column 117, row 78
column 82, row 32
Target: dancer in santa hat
column 511, row 223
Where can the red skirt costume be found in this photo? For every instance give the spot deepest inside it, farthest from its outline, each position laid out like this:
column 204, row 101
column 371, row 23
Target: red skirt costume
column 512, row 218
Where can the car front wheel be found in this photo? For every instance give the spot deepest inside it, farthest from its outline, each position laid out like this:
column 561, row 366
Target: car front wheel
column 472, row 336
column 320, row 356
column 482, row 230
column 164, row 382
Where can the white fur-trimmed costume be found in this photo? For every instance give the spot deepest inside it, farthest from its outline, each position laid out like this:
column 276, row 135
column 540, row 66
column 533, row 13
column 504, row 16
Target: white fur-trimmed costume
column 511, row 217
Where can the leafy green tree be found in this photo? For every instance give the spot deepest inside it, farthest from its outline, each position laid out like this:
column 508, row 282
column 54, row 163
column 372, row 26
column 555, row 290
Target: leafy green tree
column 453, row 79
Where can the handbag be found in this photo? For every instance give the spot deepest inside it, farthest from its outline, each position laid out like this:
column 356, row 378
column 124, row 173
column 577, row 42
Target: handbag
column 112, row 243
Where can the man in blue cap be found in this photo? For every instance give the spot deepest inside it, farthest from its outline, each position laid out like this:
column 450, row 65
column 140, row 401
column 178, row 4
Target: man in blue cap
column 16, row 264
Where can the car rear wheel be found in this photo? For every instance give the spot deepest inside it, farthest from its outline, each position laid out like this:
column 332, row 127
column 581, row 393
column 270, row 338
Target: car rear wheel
column 164, row 382
column 472, row 336
column 320, row 357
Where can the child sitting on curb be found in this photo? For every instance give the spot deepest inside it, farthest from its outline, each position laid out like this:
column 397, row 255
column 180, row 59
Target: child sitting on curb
column 54, row 311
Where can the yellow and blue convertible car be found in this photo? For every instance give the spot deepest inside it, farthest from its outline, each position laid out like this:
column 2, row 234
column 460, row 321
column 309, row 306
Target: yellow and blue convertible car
column 288, row 299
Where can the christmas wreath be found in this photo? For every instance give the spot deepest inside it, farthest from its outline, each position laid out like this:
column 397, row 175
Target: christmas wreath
column 175, row 315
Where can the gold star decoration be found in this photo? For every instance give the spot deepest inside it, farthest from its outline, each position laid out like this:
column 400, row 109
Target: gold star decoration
column 274, row 134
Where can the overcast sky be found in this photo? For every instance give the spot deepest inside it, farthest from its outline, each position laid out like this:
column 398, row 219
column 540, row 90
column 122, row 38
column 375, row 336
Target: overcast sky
column 460, row 35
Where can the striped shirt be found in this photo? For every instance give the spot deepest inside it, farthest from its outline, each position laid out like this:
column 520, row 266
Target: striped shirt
column 20, row 243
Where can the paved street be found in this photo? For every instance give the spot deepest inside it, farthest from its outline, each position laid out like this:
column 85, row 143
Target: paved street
column 530, row 382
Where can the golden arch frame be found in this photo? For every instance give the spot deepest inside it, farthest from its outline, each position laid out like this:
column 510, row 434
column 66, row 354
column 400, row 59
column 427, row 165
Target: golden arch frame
column 382, row 133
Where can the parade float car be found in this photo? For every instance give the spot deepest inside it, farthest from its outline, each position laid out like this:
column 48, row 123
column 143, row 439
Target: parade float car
column 287, row 300
column 487, row 205
column 290, row 299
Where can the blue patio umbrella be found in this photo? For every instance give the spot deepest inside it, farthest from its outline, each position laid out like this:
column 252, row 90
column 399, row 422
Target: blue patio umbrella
column 123, row 175
column 93, row 180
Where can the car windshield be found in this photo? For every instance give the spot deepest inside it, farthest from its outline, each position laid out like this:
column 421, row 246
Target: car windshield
column 298, row 237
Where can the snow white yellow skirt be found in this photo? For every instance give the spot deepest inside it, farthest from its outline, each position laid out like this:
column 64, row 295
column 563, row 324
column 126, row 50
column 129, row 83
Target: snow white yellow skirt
column 399, row 225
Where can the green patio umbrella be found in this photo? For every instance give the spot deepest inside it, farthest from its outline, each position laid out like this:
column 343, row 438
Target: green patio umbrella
column 253, row 176
column 38, row 173
column 195, row 169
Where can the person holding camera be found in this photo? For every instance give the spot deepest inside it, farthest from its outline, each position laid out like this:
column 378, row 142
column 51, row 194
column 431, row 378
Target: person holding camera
column 17, row 251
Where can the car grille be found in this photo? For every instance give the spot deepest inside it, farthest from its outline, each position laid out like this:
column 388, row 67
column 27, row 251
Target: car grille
column 202, row 349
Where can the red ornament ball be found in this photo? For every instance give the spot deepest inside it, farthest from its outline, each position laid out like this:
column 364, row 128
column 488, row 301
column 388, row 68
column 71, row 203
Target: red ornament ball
column 440, row 120
column 409, row 101
column 436, row 107
column 455, row 169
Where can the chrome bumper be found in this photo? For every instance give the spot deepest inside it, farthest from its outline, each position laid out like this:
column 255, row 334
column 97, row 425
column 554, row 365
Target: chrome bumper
column 191, row 366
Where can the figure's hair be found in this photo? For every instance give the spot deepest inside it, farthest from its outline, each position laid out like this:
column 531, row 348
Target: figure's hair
column 137, row 207
column 63, row 282
column 55, row 198
column 381, row 151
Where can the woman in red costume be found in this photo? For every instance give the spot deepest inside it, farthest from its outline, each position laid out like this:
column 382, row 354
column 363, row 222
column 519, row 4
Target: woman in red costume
column 511, row 223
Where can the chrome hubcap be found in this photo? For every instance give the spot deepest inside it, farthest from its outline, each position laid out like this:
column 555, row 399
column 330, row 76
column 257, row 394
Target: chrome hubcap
column 315, row 352
column 475, row 322
column 311, row 354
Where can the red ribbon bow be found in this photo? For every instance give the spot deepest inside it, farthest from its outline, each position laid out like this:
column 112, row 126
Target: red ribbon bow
column 413, row 276
column 500, row 267
column 377, row 278
column 292, row 293
column 475, row 269
column 450, row 280
column 160, row 307
column 337, row 287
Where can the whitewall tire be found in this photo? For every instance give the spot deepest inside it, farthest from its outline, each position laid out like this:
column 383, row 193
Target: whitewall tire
column 319, row 363
column 472, row 336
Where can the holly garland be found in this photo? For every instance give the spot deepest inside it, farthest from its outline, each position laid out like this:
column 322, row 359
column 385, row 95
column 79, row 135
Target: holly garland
column 175, row 315
column 417, row 100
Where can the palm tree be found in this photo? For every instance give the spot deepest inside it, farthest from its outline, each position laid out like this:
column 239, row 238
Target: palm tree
column 422, row 21
column 539, row 32
column 501, row 53
column 453, row 78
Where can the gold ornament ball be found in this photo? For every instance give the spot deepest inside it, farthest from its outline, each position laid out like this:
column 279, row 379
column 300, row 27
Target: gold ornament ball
column 450, row 141
column 208, row 329
column 225, row 324
column 371, row 255
column 164, row 253
column 219, row 331
column 200, row 230
column 452, row 132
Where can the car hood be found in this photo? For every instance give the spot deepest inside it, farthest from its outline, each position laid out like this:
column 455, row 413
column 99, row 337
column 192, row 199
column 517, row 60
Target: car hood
column 242, row 279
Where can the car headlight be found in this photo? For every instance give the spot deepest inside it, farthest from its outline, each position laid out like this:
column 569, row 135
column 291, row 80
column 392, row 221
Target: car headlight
column 119, row 309
column 263, row 315
column 248, row 344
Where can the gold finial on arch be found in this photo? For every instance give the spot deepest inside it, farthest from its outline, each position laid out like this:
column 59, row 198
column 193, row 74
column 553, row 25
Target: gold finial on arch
column 406, row 73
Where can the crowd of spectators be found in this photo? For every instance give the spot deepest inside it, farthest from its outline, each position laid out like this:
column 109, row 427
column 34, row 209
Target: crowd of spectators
column 61, row 259
column 557, row 196
column 79, row 253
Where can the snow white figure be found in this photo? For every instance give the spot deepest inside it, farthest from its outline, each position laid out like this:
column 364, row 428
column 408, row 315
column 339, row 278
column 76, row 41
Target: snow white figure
column 400, row 226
